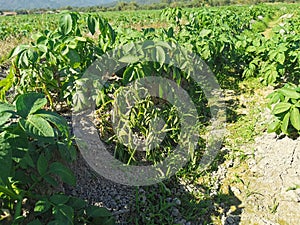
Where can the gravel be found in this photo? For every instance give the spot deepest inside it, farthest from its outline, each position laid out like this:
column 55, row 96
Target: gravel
column 101, row 192
column 276, row 179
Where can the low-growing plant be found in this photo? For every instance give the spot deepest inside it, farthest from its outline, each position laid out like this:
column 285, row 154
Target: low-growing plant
column 35, row 145
column 56, row 59
column 285, row 106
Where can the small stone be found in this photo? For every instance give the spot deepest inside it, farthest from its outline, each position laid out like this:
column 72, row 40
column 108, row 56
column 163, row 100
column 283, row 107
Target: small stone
column 230, row 220
column 235, row 190
column 168, row 200
column 183, row 221
column 230, row 163
column 177, row 201
column 143, row 199
column 175, row 212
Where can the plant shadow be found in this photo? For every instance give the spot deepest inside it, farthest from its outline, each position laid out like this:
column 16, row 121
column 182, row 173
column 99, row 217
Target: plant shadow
column 189, row 198
column 194, row 201
column 173, row 203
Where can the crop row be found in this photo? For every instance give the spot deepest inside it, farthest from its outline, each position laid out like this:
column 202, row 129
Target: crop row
column 49, row 74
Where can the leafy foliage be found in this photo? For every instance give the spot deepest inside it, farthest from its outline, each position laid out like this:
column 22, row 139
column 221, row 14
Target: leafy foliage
column 35, row 147
column 57, row 58
column 286, row 106
column 47, row 74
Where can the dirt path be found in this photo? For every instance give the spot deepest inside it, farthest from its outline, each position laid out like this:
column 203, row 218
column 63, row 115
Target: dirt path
column 267, row 183
column 274, row 182
column 268, row 32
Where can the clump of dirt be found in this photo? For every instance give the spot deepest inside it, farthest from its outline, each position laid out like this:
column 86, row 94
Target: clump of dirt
column 275, row 182
column 267, row 183
column 264, row 173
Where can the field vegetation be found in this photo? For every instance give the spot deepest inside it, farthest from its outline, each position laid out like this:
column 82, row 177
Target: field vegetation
column 44, row 58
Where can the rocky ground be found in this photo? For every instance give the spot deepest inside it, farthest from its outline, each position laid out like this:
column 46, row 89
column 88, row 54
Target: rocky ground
column 267, row 183
column 274, row 181
column 269, row 187
column 101, row 192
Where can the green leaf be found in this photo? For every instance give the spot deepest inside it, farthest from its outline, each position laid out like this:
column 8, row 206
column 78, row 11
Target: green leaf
column 274, row 98
column 7, row 83
column 5, row 158
column 251, row 49
column 29, row 103
column 65, row 24
column 50, row 180
column 43, row 48
column 128, row 75
column 6, row 111
column 281, row 107
column 129, row 59
column 35, row 222
column 164, row 44
column 74, row 58
column 285, row 123
column 81, row 39
column 54, row 118
column 77, row 203
column 23, row 60
column 103, row 221
column 94, row 212
column 64, row 213
column 42, row 164
column 17, row 50
column 32, row 55
column 37, row 126
column 63, row 172
column 57, row 222
column 289, row 92
column 205, row 32
column 274, row 126
column 161, row 91
column 92, row 23
column 67, row 152
column 42, row 206
column 160, row 55
column 59, row 199
column 272, row 76
column 10, row 193
column 26, row 161
column 280, row 58
column 295, row 118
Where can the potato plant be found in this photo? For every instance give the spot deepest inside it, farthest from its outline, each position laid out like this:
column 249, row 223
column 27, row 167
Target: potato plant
column 46, row 76
column 35, row 148
column 57, row 58
column 285, row 105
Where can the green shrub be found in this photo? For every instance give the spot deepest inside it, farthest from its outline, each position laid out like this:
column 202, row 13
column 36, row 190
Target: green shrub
column 285, row 105
column 35, row 145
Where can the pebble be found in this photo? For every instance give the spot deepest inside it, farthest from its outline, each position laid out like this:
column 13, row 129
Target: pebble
column 175, row 212
column 177, row 201
column 235, row 190
column 230, row 220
